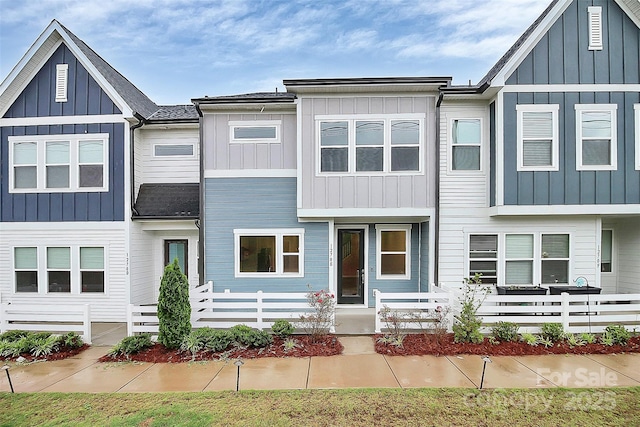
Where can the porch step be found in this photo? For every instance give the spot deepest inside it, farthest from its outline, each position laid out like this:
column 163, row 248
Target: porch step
column 357, row 344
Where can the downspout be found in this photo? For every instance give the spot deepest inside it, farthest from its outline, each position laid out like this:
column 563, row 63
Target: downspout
column 132, row 181
column 436, row 237
column 200, row 220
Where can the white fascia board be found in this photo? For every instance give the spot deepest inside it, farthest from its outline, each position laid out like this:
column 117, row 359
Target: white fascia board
column 66, row 225
column 62, row 120
column 167, row 225
column 530, row 43
column 408, row 213
column 250, row 173
column 565, row 210
column 572, row 88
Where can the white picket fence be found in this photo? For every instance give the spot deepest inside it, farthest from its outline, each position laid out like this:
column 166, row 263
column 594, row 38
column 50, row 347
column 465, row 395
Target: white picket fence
column 420, row 305
column 221, row 310
column 58, row 318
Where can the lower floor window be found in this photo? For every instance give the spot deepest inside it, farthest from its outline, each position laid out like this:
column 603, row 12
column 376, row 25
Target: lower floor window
column 269, row 252
column 393, row 243
column 65, row 270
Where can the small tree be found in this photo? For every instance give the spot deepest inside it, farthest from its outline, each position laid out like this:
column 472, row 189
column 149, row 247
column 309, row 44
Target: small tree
column 468, row 323
column 174, row 309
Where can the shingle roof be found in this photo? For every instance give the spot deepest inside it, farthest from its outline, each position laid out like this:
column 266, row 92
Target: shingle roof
column 168, row 201
column 175, row 112
column 258, row 97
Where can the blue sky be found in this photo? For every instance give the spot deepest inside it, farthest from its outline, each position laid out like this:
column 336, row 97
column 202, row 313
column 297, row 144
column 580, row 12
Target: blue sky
column 175, row 50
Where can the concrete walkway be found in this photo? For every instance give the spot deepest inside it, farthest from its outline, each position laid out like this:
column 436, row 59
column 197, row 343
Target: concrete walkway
column 358, row 367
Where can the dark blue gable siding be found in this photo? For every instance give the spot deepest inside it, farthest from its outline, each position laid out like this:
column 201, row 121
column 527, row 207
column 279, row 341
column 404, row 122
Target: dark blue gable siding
column 84, row 95
column 562, row 55
column 48, row 207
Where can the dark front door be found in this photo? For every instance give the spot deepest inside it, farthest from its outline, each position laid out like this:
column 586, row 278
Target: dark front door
column 177, row 249
column 351, row 267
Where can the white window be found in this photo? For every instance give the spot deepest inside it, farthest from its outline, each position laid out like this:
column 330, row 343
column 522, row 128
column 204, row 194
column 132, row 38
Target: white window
column 596, row 140
column 466, row 138
column 606, row 254
column 483, row 257
column 255, row 131
column 173, row 150
column 595, row 27
column 62, row 270
column 269, row 253
column 637, row 116
column 538, row 137
column 58, row 163
column 62, row 72
column 370, row 144
column 519, row 259
column 393, row 252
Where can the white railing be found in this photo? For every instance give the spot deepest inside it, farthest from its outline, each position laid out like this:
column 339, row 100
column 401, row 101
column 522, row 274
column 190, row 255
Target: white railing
column 47, row 317
column 419, row 305
column 223, row 310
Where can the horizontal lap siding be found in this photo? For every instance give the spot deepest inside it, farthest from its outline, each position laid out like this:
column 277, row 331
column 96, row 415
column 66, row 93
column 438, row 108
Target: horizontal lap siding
column 108, row 307
column 154, row 169
column 627, row 236
column 143, row 277
column 263, row 203
column 76, row 206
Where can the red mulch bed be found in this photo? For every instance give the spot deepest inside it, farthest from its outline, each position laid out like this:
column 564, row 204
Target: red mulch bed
column 421, row 344
column 325, row 346
column 64, row 353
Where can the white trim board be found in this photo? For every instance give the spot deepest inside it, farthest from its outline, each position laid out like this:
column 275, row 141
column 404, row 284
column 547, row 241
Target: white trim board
column 250, row 173
column 572, row 88
column 565, row 210
column 66, row 225
column 63, row 120
column 409, row 214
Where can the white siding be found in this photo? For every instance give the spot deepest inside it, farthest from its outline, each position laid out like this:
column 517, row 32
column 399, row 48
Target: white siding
column 627, row 236
column 167, row 168
column 143, row 276
column 107, row 307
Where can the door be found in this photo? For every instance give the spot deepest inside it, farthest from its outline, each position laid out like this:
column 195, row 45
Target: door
column 177, row 249
column 351, row 274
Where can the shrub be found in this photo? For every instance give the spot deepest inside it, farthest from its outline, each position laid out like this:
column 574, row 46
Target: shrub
column 44, row 346
column 71, row 340
column 14, row 335
column 174, row 309
column 206, row 339
column 393, row 320
column 319, row 322
column 468, row 323
column 131, row 345
column 616, row 335
column 505, row 331
column 282, row 328
column 529, row 339
column 552, row 332
column 246, row 336
column 588, row 338
column 574, row 340
column 289, row 344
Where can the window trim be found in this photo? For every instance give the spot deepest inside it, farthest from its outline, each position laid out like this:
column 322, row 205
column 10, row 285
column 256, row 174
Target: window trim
column 278, row 233
column 613, row 257
column 393, row 227
column 597, row 108
column 636, row 108
column 74, row 162
column 277, row 124
column 496, row 259
column 527, row 108
column 16, row 270
column 451, row 145
column 387, row 146
column 173, row 156
column 92, row 270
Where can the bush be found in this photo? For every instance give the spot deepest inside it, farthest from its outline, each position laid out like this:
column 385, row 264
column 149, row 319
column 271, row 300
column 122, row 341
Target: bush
column 206, row 339
column 615, row 335
column 319, row 322
column 529, row 339
column 282, row 328
column 71, row 340
column 588, row 338
column 14, row 335
column 505, row 331
column 552, row 332
column 246, row 336
column 44, row 345
column 131, row 345
column 574, row 340
column 468, row 323
column 174, row 309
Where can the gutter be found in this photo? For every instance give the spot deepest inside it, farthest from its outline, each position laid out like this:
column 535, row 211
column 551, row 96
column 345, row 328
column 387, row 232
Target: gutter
column 436, row 236
column 132, row 181
column 200, row 220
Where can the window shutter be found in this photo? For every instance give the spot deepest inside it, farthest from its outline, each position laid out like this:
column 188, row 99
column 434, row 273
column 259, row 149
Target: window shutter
column 61, row 82
column 595, row 28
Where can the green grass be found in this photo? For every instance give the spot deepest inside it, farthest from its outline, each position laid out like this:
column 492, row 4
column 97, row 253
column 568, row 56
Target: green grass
column 441, row 407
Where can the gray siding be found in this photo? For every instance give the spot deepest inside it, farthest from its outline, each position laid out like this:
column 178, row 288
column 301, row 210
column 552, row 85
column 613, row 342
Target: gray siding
column 85, row 97
column 221, row 155
column 562, row 55
column 492, row 154
column 47, row 207
column 232, row 203
column 569, row 186
column 361, row 190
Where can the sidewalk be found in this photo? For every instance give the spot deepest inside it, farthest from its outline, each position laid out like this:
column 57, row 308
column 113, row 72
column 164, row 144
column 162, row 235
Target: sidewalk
column 358, row 367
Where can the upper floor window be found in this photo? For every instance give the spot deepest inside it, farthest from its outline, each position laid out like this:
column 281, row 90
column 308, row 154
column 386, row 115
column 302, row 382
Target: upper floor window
column 370, row 144
column 255, row 131
column 466, row 137
column 269, row 252
column 58, row 163
column 596, row 140
column 173, row 150
column 538, row 137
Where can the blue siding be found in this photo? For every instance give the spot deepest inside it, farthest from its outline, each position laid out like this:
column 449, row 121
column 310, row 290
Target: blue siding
column 233, row 203
column 84, row 96
column 48, row 207
column 425, row 280
column 569, row 186
column 562, row 55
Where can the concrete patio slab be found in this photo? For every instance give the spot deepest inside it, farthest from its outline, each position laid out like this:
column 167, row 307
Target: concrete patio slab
column 575, row 371
column 427, row 371
column 627, row 364
column 92, row 353
column 271, row 373
column 40, row 375
column 107, row 333
column 350, row 371
column 100, row 378
column 174, row 377
column 355, row 344
column 225, row 378
column 502, row 372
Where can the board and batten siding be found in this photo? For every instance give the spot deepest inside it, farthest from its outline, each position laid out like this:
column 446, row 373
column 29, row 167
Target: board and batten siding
column 71, row 206
column 108, row 307
column 365, row 191
column 264, row 203
column 562, row 56
column 568, row 186
column 222, row 155
column 84, row 95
